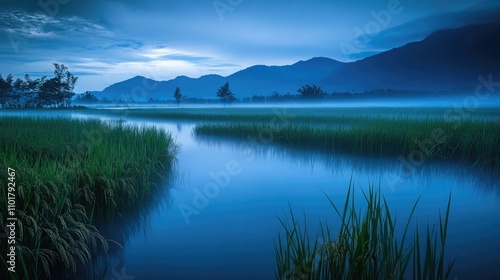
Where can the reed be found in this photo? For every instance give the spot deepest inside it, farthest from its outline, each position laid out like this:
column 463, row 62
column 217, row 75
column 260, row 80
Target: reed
column 70, row 174
column 428, row 133
column 429, row 264
column 473, row 142
column 424, row 133
column 234, row 114
column 308, row 115
column 367, row 246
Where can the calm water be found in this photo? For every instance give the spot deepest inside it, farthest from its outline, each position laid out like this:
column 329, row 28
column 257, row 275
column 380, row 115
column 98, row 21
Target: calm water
column 219, row 218
column 223, row 226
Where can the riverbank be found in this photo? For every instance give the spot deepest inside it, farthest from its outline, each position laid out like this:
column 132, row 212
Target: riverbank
column 70, row 173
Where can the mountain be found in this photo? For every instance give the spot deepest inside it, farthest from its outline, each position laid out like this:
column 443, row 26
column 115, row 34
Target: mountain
column 264, row 80
column 444, row 60
column 255, row 80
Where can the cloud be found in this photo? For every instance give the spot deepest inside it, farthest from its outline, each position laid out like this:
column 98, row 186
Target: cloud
column 99, row 53
column 27, row 25
column 40, row 31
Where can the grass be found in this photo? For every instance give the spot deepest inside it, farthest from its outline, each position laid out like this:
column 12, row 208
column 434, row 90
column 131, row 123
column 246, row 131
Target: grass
column 421, row 133
column 312, row 115
column 366, row 246
column 473, row 142
column 71, row 174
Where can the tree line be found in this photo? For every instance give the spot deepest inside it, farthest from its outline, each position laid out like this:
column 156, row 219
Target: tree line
column 224, row 94
column 305, row 93
column 38, row 93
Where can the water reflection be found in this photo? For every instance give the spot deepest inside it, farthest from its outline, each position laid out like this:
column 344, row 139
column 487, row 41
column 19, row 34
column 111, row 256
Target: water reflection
column 277, row 177
column 387, row 169
column 136, row 221
column 232, row 236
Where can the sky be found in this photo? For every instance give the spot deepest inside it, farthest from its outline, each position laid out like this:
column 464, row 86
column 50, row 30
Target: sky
column 106, row 41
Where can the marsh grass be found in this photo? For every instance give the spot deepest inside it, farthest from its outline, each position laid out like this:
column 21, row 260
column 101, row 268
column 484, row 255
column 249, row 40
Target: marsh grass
column 308, row 115
column 472, row 142
column 69, row 175
column 366, row 247
column 424, row 133
column 428, row 263
column 421, row 133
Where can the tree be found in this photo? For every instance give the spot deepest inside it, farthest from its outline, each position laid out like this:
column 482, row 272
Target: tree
column 48, row 94
column 6, row 88
column 87, row 97
column 225, row 94
column 31, row 90
column 57, row 91
column 19, row 93
column 65, row 84
column 178, row 96
column 41, row 92
column 311, row 92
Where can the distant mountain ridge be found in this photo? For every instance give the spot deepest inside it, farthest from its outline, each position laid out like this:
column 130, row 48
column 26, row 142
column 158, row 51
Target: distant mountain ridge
column 255, row 80
column 444, row 60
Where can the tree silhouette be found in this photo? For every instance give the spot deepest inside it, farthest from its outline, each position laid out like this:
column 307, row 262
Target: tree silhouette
column 41, row 92
column 65, row 83
column 178, row 96
column 87, row 97
column 311, row 92
column 6, row 88
column 225, row 94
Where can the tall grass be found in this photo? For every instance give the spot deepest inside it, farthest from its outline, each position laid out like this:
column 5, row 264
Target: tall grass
column 70, row 174
column 429, row 264
column 366, row 246
column 428, row 133
column 303, row 115
column 473, row 142
column 425, row 133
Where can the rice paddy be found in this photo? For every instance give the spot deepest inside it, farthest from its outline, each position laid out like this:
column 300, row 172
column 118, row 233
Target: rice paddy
column 71, row 174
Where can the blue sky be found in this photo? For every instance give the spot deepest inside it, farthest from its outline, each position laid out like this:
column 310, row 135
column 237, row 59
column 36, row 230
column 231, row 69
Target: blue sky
column 107, row 41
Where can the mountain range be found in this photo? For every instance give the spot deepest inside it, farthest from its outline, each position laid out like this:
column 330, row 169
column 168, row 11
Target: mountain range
column 446, row 60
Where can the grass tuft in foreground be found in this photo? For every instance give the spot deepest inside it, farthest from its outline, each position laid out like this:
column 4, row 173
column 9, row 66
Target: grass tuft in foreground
column 366, row 246
column 70, row 174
